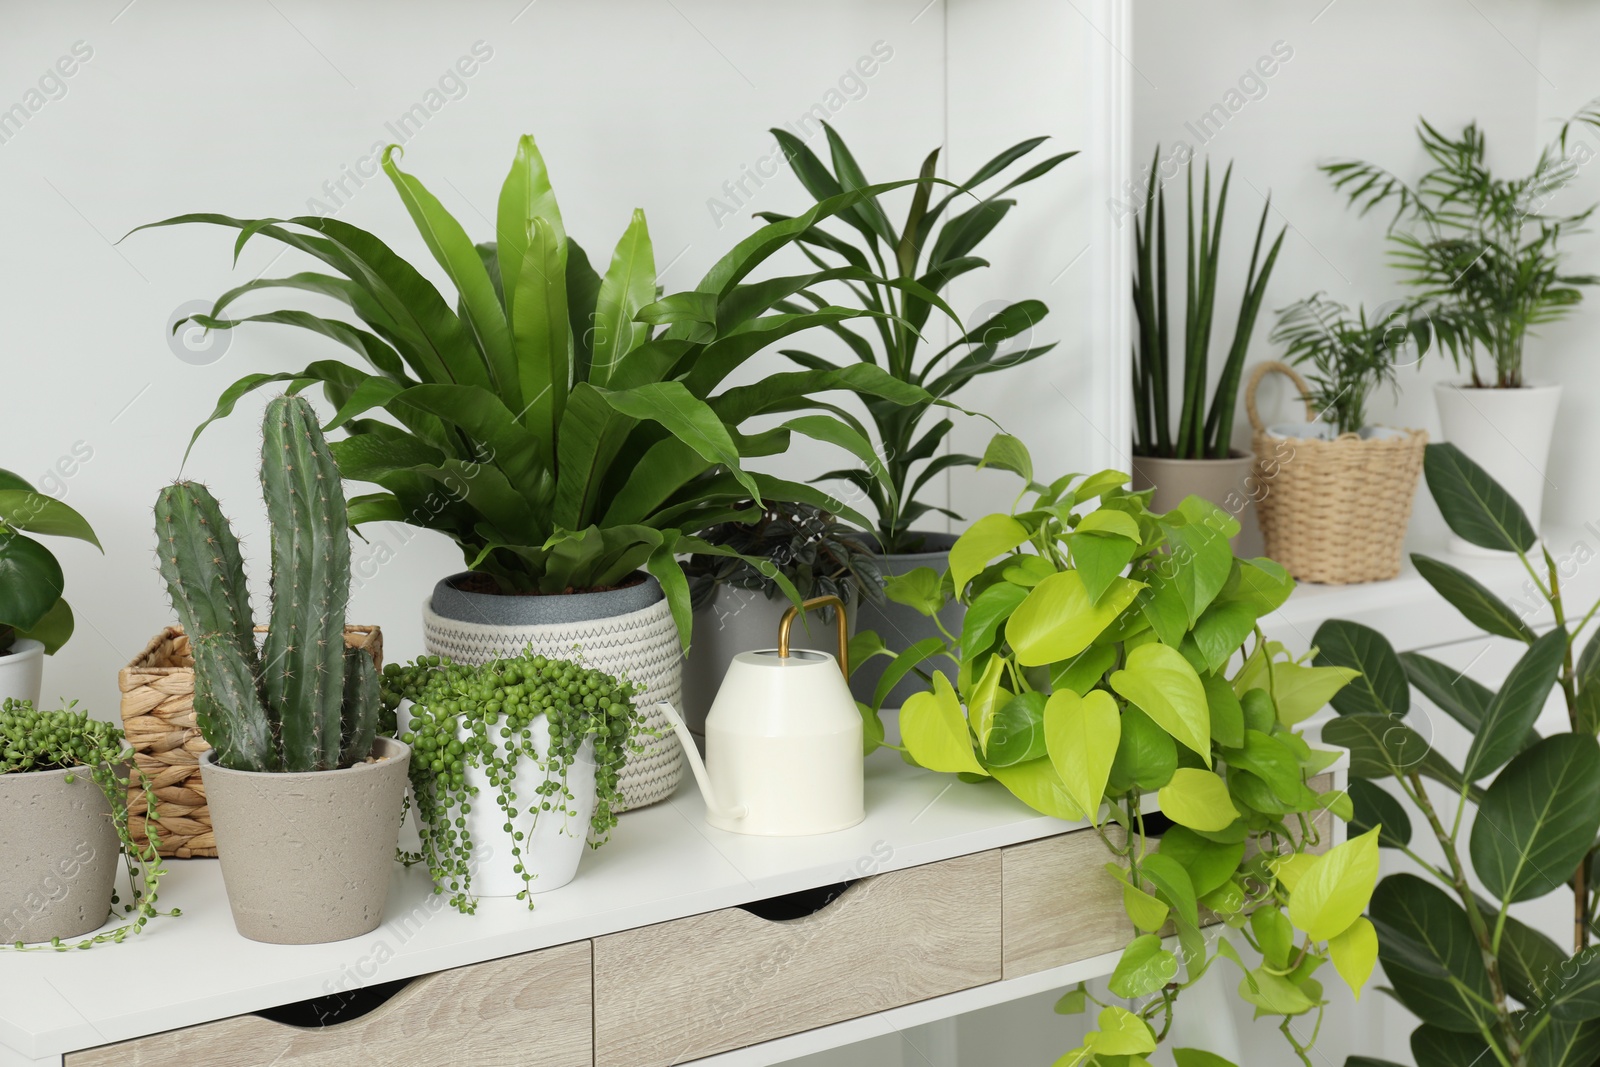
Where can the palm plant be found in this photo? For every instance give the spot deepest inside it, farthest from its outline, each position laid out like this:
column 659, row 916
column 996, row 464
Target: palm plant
column 1200, row 433
column 564, row 428
column 1349, row 356
column 896, row 274
column 1482, row 252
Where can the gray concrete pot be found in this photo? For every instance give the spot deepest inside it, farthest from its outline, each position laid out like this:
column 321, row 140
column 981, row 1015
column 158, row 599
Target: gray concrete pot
column 900, row 626
column 61, row 858
column 743, row 620
column 306, row 858
column 1227, row 483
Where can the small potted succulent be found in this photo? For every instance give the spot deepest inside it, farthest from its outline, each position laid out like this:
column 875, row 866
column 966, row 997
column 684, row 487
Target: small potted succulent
column 1338, row 488
column 738, row 601
column 35, row 619
column 518, row 765
column 64, row 782
column 305, row 799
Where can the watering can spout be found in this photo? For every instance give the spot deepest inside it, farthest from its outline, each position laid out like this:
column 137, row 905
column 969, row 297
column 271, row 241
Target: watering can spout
column 714, row 804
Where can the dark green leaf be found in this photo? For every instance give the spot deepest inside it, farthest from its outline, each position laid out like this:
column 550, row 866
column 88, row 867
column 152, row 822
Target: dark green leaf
column 1381, row 688
column 1473, row 599
column 1538, row 819
column 1434, row 1046
column 1381, row 745
column 1512, row 711
column 1463, row 699
column 30, row 581
column 1376, row 806
column 1588, row 686
column 1426, row 944
column 23, row 509
column 1146, row 757
column 1476, row 507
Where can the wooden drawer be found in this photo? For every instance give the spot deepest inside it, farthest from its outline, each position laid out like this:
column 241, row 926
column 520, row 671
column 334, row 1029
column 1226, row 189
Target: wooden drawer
column 680, row 990
column 532, row 1010
column 1060, row 905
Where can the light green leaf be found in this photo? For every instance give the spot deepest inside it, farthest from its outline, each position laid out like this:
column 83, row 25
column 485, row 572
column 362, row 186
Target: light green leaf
column 935, row 732
column 1110, row 521
column 1335, row 889
column 1057, row 620
column 1301, row 692
column 1082, row 735
column 1160, row 681
column 1072, row 1002
column 1100, row 559
column 1354, row 953
column 1143, row 968
column 990, row 536
column 1037, row 785
column 1197, row 799
column 1121, row 1033
column 1194, row 1057
column 1146, row 912
column 920, row 588
column 1008, row 454
column 1018, row 734
column 628, row 287
column 986, row 699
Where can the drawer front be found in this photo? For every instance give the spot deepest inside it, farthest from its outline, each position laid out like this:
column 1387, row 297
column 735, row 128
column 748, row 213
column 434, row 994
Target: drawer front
column 680, row 990
column 1060, row 905
column 533, row 1009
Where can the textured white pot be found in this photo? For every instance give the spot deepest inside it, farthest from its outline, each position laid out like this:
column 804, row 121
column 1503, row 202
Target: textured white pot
column 553, row 842
column 22, row 671
column 1507, row 433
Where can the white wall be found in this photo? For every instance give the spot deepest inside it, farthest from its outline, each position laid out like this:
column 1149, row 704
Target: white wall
column 251, row 109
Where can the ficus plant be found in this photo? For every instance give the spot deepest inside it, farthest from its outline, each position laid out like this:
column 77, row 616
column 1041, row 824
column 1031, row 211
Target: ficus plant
column 1514, row 821
column 31, row 581
column 564, row 427
column 894, row 269
column 1110, row 658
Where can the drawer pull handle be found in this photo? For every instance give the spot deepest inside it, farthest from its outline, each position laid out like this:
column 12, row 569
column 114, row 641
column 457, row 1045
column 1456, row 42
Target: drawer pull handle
column 335, row 1008
column 791, row 906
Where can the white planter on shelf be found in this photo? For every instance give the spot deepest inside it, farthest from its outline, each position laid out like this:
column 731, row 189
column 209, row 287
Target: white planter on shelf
column 552, row 845
column 1506, row 432
column 22, row 671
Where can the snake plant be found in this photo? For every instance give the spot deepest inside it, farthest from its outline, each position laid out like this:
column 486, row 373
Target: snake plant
column 565, row 428
column 303, row 701
column 1200, row 433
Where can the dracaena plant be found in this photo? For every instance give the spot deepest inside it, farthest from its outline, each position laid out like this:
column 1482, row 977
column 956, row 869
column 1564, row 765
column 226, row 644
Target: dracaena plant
column 565, row 428
column 1483, row 252
column 1110, row 656
column 31, row 604
column 1515, row 821
column 896, row 272
column 1202, row 431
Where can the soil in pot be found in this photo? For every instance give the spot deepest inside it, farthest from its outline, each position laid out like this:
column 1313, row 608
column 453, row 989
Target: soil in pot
column 62, row 856
column 628, row 632
column 306, row 858
column 900, row 626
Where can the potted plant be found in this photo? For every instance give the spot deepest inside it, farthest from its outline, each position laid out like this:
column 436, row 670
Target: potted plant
column 738, row 603
column 518, row 766
column 569, row 431
column 64, row 781
column 897, row 274
column 304, row 798
column 1110, row 654
column 35, row 619
column 1485, row 257
column 1513, row 822
column 1193, row 454
column 1337, row 489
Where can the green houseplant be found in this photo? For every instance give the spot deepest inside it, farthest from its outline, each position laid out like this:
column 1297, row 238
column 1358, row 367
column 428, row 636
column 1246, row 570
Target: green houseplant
column 565, row 428
column 35, row 619
column 293, row 722
column 1083, row 690
column 1345, row 355
column 896, row 273
column 738, row 606
column 1485, row 257
column 1194, row 455
column 1517, row 816
column 64, row 780
column 531, row 743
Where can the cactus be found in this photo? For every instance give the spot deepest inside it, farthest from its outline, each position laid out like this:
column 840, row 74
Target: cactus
column 305, row 703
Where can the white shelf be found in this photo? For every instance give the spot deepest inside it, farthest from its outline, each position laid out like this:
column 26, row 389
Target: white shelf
column 662, row 863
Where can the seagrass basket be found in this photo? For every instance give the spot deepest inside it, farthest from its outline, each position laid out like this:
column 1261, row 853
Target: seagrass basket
column 1333, row 511
column 158, row 721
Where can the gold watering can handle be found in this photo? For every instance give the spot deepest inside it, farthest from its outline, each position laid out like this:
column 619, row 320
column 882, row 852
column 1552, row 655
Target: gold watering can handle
column 844, row 630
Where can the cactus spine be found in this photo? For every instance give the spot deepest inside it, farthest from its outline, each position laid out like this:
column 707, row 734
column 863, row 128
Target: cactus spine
column 304, row 703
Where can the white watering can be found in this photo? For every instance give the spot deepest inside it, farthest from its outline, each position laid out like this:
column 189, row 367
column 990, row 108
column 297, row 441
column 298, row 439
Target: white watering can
column 783, row 740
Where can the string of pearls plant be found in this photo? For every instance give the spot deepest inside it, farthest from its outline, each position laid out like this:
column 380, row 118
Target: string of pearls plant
column 463, row 716
column 33, row 740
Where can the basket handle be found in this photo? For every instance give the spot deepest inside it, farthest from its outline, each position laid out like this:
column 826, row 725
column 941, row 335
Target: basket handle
column 1274, row 367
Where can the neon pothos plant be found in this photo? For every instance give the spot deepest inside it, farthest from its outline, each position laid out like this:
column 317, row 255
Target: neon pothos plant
column 1516, row 821
column 1111, row 656
column 564, row 428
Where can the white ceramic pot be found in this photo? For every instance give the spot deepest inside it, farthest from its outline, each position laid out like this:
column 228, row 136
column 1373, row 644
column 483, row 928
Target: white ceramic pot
column 741, row 620
column 553, row 842
column 1506, row 432
column 22, row 671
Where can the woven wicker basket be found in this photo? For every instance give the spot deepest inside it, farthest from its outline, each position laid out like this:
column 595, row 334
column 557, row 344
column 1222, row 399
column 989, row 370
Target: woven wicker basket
column 1333, row 511
column 158, row 719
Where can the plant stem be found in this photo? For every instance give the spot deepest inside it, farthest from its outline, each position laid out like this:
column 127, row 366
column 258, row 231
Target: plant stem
column 1480, row 930
column 1569, row 690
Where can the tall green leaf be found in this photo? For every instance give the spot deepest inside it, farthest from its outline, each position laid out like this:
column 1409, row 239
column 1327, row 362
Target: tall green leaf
column 1473, row 599
column 1512, row 711
column 629, row 285
column 1539, row 818
column 1476, row 507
